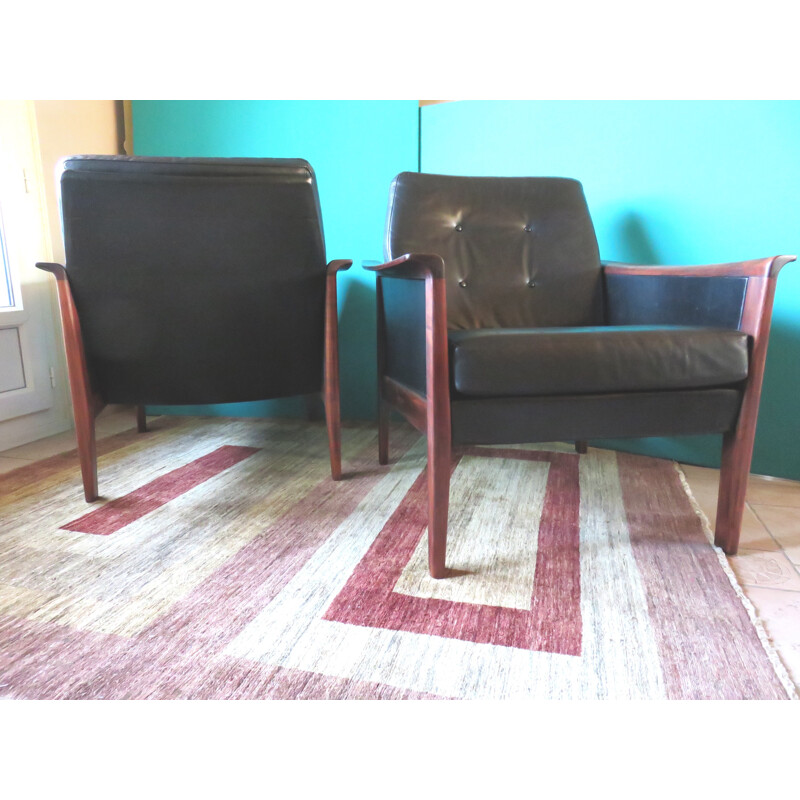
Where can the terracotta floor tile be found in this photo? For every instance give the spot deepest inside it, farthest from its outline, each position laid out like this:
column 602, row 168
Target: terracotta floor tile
column 773, row 492
column 783, row 522
column 771, row 570
column 703, row 483
column 780, row 613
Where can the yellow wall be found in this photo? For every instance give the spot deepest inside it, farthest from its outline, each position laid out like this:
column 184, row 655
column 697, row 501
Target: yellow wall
column 73, row 127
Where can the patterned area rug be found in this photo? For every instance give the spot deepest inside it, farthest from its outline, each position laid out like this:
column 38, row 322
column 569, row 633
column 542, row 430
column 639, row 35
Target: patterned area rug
column 222, row 562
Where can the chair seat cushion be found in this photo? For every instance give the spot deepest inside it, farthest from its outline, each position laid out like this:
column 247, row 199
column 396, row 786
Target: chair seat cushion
column 503, row 362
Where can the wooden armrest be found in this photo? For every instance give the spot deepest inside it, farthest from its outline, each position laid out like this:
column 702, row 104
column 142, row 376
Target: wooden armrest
column 57, row 269
column 758, row 268
column 339, row 265
column 416, row 266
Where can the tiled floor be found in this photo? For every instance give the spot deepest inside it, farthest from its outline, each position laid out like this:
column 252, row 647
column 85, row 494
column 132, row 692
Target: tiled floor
column 767, row 566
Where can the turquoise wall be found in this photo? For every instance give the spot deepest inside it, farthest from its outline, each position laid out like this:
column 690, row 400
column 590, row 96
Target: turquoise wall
column 356, row 148
column 667, row 183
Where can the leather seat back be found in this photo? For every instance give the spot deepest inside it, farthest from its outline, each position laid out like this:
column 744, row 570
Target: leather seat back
column 196, row 280
column 518, row 252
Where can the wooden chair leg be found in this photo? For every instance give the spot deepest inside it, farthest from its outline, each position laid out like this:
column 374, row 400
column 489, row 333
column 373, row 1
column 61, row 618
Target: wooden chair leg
column 581, row 446
column 437, row 423
column 141, row 419
column 334, row 440
column 737, row 454
column 439, row 458
column 330, row 388
column 383, row 432
column 87, row 450
column 85, row 403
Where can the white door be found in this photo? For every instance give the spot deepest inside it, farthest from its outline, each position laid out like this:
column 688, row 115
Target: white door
column 26, row 306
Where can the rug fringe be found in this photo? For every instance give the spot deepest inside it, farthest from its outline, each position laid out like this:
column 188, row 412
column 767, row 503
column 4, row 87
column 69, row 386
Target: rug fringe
column 766, row 642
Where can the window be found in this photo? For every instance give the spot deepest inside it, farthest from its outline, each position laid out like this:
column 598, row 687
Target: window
column 6, row 286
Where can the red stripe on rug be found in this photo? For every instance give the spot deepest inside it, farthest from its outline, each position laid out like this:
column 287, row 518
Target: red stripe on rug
column 700, row 658
column 125, row 510
column 153, row 670
column 554, row 622
column 217, row 610
column 178, row 654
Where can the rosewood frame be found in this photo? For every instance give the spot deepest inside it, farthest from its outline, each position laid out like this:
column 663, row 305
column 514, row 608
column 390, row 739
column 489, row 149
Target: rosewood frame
column 87, row 404
column 431, row 414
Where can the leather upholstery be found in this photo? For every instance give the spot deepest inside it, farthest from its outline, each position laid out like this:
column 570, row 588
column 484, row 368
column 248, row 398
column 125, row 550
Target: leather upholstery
column 510, row 420
column 559, row 361
column 518, row 252
column 404, row 313
column 674, row 300
column 196, row 280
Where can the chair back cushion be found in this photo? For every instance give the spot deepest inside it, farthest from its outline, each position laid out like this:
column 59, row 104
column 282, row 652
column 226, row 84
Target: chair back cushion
column 196, row 280
column 518, row 252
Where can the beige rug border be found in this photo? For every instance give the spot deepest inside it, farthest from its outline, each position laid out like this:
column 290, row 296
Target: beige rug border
column 766, row 642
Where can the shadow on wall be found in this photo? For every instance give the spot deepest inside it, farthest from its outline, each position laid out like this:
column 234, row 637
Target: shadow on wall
column 636, row 246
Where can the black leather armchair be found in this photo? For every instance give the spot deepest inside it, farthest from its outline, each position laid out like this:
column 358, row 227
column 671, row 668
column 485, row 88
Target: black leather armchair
column 193, row 280
column 499, row 324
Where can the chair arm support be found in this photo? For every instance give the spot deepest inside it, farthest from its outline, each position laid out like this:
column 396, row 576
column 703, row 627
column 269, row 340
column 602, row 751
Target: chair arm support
column 412, row 328
column 758, row 268
column 416, row 266
column 339, row 265
column 57, row 269
column 717, row 295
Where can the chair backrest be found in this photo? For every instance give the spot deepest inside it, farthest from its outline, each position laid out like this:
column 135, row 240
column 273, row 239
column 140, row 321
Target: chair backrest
column 518, row 252
column 196, row 280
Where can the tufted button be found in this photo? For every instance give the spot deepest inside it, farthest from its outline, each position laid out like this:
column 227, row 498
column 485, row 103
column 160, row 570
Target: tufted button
column 462, row 283
column 459, row 228
column 531, row 283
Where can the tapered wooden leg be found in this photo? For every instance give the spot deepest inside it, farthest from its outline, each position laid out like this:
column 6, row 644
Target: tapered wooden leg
column 141, row 419
column 383, row 432
column 737, row 445
column 438, row 502
column 437, row 423
column 581, row 446
column 334, row 440
column 737, row 454
column 314, row 404
column 87, row 451
column 330, row 390
column 85, row 403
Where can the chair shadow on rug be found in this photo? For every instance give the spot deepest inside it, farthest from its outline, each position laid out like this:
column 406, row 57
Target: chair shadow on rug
column 194, row 281
column 499, row 324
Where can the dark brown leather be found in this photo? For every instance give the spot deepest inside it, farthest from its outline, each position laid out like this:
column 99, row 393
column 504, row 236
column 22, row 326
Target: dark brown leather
column 196, row 280
column 404, row 315
column 562, row 361
column 674, row 300
column 510, row 420
column 518, row 252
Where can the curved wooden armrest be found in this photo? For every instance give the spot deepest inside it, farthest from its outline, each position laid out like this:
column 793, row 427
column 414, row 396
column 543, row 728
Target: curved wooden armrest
column 758, row 268
column 339, row 265
column 416, row 266
column 57, row 269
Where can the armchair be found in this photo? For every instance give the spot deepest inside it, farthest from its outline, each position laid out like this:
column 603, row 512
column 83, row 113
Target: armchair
column 499, row 324
column 194, row 281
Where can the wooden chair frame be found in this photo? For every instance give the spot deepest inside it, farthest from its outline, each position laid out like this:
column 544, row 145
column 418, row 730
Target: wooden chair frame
column 430, row 414
column 87, row 404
